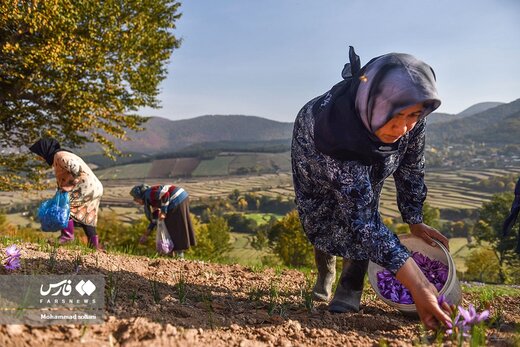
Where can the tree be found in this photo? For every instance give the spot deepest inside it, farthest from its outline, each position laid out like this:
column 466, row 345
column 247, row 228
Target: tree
column 75, row 70
column 212, row 240
column 482, row 266
column 431, row 216
column 242, row 204
column 289, row 242
column 240, row 223
column 489, row 229
column 235, row 194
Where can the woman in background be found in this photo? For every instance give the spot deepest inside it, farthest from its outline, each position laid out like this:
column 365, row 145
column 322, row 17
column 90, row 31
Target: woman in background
column 171, row 204
column 73, row 175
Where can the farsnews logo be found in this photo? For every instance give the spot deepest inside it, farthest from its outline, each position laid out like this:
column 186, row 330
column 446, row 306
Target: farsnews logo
column 65, row 288
column 85, row 287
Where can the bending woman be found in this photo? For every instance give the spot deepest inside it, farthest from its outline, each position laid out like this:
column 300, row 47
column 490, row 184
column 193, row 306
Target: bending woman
column 346, row 142
column 171, row 204
column 73, row 175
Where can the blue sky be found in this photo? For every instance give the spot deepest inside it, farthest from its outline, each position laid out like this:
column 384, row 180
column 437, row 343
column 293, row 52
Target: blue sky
column 268, row 58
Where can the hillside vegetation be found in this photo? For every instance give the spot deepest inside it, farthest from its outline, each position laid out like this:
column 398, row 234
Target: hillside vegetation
column 493, row 125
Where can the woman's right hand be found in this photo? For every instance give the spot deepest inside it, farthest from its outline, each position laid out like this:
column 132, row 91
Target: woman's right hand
column 67, row 188
column 424, row 295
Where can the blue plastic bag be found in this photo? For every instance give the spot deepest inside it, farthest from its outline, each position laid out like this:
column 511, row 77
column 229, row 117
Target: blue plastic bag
column 54, row 213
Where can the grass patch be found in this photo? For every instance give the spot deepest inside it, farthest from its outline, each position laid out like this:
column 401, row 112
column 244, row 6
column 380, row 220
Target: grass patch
column 242, row 252
column 490, row 291
column 262, row 218
column 219, row 166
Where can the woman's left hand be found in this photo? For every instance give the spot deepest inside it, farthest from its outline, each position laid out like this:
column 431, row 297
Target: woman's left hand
column 428, row 234
column 143, row 239
column 162, row 216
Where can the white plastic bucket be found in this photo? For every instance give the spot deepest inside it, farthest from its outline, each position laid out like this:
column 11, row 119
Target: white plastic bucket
column 451, row 289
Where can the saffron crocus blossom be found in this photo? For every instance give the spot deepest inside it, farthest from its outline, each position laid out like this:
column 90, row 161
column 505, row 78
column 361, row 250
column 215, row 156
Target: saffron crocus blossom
column 465, row 320
column 441, row 300
column 391, row 289
column 457, row 326
column 471, row 316
column 12, row 262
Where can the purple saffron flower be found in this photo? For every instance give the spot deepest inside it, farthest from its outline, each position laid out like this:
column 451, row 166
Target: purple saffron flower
column 12, row 262
column 12, row 251
column 456, row 326
column 464, row 321
column 471, row 316
column 442, row 299
column 166, row 247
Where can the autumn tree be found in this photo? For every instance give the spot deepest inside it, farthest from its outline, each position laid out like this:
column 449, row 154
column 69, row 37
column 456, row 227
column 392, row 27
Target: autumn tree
column 77, row 70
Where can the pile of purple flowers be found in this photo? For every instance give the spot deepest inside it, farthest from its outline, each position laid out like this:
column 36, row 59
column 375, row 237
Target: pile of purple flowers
column 12, row 262
column 165, row 247
column 391, row 289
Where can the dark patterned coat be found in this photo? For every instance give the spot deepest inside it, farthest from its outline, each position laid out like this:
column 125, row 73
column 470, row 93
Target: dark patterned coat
column 338, row 200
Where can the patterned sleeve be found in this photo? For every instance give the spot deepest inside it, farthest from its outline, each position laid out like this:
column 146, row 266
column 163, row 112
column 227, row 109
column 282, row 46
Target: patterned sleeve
column 409, row 178
column 152, row 218
column 357, row 200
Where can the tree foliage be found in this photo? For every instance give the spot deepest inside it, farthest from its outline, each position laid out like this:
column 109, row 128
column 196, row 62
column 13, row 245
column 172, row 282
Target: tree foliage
column 213, row 239
column 482, row 266
column 431, row 216
column 289, row 242
column 489, row 229
column 76, row 70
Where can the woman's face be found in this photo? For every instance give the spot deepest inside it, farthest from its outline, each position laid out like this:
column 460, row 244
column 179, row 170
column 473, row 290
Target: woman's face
column 400, row 124
column 139, row 201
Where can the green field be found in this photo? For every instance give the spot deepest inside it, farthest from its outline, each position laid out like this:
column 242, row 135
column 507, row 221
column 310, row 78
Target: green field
column 243, row 253
column 137, row 171
column 219, row 166
column 247, row 161
column 262, row 218
column 225, row 164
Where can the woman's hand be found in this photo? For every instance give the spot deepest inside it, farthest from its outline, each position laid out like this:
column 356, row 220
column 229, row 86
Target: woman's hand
column 67, row 188
column 70, row 186
column 162, row 216
column 424, row 295
column 428, row 234
column 143, row 239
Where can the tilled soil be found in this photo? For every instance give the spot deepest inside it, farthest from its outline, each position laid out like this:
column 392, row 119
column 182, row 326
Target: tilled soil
column 205, row 304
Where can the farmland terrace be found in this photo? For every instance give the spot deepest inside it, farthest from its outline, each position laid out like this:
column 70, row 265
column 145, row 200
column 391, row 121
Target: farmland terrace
column 446, row 189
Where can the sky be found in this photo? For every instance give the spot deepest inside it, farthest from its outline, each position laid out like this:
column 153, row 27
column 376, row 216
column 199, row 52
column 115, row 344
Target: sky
column 268, row 58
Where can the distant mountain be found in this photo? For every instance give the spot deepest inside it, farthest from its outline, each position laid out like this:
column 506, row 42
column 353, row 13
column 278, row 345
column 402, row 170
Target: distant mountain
column 166, row 136
column 478, row 108
column 498, row 125
column 506, row 130
column 484, row 122
column 436, row 117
